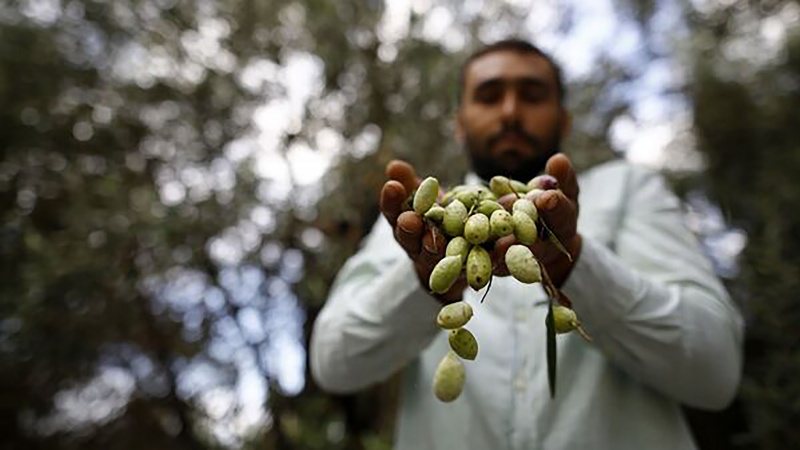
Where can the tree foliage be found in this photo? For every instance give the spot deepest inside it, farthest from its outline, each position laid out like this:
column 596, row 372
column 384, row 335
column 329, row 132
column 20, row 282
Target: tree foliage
column 745, row 94
column 181, row 181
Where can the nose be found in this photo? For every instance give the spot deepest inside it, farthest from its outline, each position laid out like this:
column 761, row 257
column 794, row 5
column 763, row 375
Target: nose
column 510, row 108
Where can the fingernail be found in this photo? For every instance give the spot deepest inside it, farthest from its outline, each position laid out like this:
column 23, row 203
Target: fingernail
column 432, row 246
column 550, row 201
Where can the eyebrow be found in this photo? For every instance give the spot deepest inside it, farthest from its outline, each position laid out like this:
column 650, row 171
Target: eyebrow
column 499, row 81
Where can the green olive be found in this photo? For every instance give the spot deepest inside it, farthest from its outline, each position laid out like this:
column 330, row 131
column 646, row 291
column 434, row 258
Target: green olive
column 479, row 268
column 427, row 193
column 463, row 343
column 527, row 207
column 469, row 196
column 458, row 246
column 476, row 230
column 500, row 185
column 564, row 319
column 444, row 274
column 500, row 223
column 487, row 207
column 524, row 228
column 522, row 264
column 519, row 187
column 455, row 213
column 454, row 315
column 449, row 378
column 435, row 213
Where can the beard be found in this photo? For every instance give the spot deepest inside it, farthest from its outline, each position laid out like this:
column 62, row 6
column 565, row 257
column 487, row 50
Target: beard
column 516, row 163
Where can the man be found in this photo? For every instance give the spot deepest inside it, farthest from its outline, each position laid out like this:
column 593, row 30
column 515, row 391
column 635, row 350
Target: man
column 664, row 331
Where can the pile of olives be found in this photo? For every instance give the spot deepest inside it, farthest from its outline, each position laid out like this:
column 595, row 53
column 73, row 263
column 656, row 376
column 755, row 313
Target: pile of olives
column 473, row 217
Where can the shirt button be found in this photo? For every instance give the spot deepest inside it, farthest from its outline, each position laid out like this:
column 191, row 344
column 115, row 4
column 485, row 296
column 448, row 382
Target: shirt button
column 520, row 383
column 521, row 315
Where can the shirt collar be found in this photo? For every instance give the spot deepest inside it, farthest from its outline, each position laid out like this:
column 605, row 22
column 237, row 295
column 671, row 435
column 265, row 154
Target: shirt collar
column 472, row 178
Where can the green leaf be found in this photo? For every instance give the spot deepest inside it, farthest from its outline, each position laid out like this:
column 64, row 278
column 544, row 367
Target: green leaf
column 554, row 239
column 551, row 348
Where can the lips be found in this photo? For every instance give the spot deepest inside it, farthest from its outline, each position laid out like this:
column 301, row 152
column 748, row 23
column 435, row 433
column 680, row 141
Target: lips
column 511, row 141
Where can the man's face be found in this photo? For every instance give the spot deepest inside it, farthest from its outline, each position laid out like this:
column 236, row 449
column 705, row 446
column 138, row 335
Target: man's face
column 510, row 120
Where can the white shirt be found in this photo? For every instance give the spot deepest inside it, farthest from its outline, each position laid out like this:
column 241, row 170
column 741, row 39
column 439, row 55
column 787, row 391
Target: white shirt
column 664, row 332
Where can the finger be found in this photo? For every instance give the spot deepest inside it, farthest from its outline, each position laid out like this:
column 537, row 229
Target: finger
column 544, row 252
column 433, row 247
column 558, row 212
column 404, row 173
column 393, row 195
column 501, row 246
column 561, row 168
column 500, row 269
column 408, row 232
column 507, row 201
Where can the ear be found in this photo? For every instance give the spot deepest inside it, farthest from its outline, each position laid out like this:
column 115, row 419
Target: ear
column 565, row 124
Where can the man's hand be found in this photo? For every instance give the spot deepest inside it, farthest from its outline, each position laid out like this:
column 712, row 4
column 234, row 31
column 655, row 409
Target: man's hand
column 424, row 245
column 559, row 210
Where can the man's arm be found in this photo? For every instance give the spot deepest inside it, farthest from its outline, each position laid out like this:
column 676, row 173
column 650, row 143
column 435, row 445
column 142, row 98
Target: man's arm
column 655, row 307
column 379, row 314
column 376, row 319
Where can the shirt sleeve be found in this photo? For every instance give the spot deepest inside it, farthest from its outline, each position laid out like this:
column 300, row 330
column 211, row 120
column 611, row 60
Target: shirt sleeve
column 376, row 319
column 655, row 307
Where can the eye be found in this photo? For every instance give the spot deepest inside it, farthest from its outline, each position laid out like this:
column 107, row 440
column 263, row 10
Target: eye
column 488, row 93
column 534, row 93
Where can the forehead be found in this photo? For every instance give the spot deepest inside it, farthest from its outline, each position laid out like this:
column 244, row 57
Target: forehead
column 510, row 65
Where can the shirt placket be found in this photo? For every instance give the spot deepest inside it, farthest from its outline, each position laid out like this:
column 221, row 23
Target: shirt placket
column 527, row 334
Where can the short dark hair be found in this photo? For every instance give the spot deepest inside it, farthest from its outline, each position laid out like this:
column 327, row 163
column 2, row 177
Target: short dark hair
column 514, row 45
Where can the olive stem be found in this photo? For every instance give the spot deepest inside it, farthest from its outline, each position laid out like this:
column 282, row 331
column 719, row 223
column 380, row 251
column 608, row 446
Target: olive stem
column 469, row 213
column 582, row 332
column 431, row 225
column 488, row 286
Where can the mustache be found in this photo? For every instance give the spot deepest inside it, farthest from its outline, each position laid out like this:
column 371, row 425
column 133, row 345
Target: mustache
column 513, row 130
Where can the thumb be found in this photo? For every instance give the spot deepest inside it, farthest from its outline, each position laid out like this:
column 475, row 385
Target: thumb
column 560, row 167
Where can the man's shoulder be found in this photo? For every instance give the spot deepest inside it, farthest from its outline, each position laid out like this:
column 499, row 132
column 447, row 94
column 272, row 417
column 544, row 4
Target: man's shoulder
column 620, row 181
column 617, row 170
column 609, row 168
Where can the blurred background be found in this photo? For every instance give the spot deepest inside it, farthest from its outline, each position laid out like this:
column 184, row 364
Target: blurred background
column 180, row 182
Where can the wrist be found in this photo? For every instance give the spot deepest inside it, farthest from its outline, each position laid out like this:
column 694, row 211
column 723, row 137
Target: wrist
column 455, row 294
column 561, row 266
